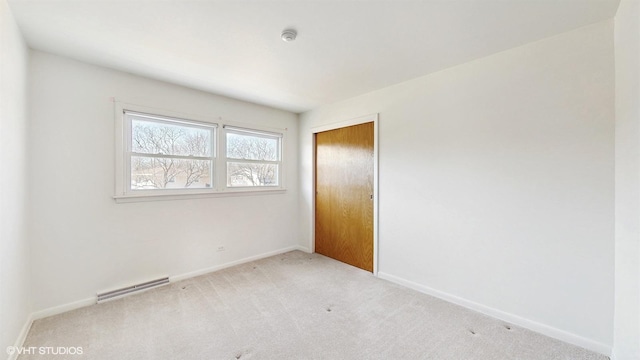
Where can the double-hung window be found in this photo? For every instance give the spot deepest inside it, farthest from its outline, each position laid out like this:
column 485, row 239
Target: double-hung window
column 254, row 158
column 161, row 155
column 168, row 153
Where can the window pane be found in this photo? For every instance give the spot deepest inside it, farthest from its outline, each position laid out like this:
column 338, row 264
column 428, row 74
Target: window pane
column 150, row 137
column 162, row 173
column 251, row 174
column 252, row 147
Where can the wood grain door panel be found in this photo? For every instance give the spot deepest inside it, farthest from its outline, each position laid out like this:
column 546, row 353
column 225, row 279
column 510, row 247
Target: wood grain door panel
column 344, row 195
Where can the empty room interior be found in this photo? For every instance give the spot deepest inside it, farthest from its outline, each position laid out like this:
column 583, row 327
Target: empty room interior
column 455, row 179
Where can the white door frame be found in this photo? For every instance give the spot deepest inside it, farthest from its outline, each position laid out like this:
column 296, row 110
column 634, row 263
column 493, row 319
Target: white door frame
column 337, row 125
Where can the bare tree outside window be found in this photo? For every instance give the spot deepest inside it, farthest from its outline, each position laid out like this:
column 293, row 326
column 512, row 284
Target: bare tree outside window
column 162, row 156
column 252, row 159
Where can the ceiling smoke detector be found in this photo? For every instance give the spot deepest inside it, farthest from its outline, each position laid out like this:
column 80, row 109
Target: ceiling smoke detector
column 289, row 35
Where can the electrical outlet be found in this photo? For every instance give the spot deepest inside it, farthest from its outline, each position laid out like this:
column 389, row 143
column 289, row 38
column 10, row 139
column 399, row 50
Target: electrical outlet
column 221, row 248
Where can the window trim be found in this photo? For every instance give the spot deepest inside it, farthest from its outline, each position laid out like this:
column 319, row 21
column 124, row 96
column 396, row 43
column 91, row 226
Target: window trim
column 219, row 188
column 129, row 116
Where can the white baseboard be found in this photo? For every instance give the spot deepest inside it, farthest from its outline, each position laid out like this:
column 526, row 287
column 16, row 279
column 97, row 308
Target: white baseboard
column 303, row 249
column 22, row 337
column 232, row 263
column 510, row 318
column 63, row 308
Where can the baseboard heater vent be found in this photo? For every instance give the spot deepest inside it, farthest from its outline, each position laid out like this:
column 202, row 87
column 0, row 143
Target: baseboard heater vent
column 131, row 289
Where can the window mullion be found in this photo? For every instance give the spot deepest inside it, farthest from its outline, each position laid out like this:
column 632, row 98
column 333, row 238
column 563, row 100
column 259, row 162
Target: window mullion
column 221, row 177
column 163, row 156
column 249, row 161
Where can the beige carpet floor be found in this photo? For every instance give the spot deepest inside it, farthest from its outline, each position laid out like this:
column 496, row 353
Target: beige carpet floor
column 290, row 306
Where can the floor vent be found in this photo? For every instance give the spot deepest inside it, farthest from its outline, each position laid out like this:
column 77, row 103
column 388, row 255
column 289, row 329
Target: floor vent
column 131, row 289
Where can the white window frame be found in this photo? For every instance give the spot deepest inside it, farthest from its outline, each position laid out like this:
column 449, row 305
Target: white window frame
column 123, row 192
column 130, row 116
column 238, row 130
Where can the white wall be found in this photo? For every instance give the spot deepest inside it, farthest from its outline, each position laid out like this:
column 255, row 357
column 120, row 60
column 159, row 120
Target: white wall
column 83, row 241
column 627, row 249
column 496, row 183
column 14, row 247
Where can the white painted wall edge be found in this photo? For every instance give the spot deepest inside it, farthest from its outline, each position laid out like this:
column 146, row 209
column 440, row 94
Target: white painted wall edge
column 22, row 337
column 512, row 319
column 92, row 300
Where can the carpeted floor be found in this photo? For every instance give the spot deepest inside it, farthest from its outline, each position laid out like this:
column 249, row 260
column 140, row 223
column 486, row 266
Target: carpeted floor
column 290, row 306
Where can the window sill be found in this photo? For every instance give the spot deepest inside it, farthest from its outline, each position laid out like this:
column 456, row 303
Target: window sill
column 132, row 198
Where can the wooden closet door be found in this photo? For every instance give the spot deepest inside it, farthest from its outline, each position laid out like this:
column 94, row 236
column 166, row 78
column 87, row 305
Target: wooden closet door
column 344, row 195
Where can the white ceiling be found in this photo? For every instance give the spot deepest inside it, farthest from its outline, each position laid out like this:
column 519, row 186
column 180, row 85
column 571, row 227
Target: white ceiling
column 344, row 48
